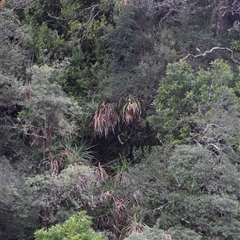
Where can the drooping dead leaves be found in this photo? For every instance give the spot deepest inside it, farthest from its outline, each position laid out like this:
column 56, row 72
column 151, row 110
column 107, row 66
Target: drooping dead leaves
column 106, row 119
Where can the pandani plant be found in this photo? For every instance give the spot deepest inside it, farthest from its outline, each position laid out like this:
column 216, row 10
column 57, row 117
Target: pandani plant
column 131, row 111
column 106, row 118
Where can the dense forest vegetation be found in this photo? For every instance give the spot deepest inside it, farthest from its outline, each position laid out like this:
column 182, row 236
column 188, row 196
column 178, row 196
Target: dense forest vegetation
column 120, row 119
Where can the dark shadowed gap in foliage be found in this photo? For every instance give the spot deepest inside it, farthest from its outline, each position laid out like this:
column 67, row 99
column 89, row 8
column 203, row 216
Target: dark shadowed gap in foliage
column 124, row 143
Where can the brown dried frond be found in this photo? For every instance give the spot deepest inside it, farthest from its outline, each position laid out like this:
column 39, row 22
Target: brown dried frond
column 131, row 111
column 104, row 197
column 105, row 221
column 123, row 2
column 105, row 119
column 2, row 3
column 64, row 154
column 101, row 175
column 54, row 196
column 54, row 165
column 118, row 210
column 117, row 217
column 57, row 162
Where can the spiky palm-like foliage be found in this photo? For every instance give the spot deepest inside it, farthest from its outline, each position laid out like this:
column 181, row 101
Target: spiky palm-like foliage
column 131, row 111
column 105, row 119
column 134, row 226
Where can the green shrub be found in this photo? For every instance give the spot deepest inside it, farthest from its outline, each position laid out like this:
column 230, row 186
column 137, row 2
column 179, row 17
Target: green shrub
column 77, row 227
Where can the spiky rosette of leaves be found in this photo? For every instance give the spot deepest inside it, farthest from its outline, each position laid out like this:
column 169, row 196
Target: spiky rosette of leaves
column 134, row 226
column 105, row 119
column 131, row 111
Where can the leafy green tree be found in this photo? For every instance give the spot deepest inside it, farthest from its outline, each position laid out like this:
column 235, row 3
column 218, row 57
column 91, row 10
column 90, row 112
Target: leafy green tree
column 77, row 227
column 127, row 43
column 46, row 44
column 175, row 233
column 205, row 191
column 62, row 30
column 42, row 116
column 110, row 57
column 186, row 95
column 188, row 192
column 16, row 222
column 79, row 79
column 55, row 196
column 149, row 233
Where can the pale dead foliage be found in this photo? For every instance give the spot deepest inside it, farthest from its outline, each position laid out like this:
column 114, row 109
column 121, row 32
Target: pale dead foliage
column 105, row 119
column 131, row 111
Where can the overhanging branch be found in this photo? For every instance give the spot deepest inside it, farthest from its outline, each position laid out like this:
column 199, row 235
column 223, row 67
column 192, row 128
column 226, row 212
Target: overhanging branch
column 210, row 51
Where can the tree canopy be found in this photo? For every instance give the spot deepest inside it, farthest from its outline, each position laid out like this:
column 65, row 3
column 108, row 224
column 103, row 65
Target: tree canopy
column 119, row 119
